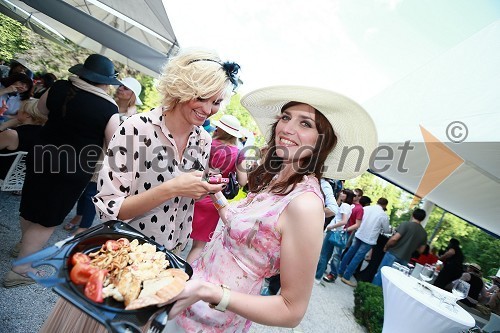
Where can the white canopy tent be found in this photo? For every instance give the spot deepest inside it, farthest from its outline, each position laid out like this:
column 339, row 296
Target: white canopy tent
column 134, row 32
column 461, row 85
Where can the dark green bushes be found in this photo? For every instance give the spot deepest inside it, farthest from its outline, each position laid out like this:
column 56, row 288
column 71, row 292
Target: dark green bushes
column 369, row 306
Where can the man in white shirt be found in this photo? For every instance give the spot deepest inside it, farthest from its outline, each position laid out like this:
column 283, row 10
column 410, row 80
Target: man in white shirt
column 331, row 206
column 374, row 221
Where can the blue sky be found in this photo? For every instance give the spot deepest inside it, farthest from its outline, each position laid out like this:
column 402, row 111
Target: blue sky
column 356, row 47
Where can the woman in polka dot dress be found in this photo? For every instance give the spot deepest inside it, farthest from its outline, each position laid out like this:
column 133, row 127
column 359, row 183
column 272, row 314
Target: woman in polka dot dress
column 149, row 177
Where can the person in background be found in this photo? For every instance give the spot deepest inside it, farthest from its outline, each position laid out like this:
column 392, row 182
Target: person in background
column 331, row 205
column 453, row 259
column 21, row 137
column 477, row 291
column 20, row 65
column 208, row 127
column 375, row 221
column 279, row 221
column 409, row 236
column 14, row 89
column 351, row 226
column 493, row 296
column 426, row 257
column 126, row 97
column 44, row 83
column 80, row 118
column 159, row 201
column 328, row 249
column 224, row 158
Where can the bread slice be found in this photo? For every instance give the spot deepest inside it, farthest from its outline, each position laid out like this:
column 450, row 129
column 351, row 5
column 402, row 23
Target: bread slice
column 159, row 290
column 150, row 287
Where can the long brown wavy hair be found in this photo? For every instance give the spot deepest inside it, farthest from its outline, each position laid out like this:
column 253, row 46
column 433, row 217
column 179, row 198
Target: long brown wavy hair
column 260, row 178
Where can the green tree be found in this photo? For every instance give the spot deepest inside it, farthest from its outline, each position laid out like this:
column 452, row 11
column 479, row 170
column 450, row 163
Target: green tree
column 376, row 188
column 150, row 96
column 477, row 245
column 235, row 108
column 14, row 39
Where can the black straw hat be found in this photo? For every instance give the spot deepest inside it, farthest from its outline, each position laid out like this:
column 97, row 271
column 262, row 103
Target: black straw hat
column 98, row 69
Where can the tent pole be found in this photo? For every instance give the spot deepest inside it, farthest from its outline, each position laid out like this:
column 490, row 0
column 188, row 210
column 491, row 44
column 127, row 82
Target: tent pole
column 437, row 227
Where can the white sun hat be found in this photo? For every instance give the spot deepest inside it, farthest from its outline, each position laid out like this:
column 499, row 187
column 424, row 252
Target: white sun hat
column 21, row 61
column 353, row 126
column 135, row 86
column 229, row 124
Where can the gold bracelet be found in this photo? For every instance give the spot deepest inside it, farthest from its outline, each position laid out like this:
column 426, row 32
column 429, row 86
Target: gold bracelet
column 220, row 203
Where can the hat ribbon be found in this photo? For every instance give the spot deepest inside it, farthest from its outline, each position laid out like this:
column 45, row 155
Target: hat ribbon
column 233, row 128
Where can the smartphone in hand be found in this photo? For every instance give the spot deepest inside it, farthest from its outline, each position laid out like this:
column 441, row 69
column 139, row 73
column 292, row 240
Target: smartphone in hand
column 217, row 180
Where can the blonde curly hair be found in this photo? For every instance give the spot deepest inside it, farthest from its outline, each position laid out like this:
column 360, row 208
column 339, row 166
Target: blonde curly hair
column 193, row 73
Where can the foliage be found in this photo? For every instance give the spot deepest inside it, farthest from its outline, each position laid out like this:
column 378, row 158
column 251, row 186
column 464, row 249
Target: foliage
column 376, row 188
column 477, row 245
column 13, row 38
column 246, row 120
column 369, row 306
column 150, row 96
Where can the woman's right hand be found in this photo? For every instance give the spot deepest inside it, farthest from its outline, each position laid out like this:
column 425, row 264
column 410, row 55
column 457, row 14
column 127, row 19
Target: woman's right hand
column 192, row 185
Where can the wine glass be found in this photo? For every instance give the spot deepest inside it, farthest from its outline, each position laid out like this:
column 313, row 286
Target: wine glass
column 461, row 289
column 427, row 273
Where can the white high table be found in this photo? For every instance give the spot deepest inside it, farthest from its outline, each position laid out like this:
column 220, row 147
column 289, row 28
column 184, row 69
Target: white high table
column 411, row 308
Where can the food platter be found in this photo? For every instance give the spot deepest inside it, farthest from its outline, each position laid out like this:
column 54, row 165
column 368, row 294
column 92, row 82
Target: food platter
column 112, row 314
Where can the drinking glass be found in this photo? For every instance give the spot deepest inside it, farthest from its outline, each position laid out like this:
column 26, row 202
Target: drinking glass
column 427, row 273
column 396, row 265
column 461, row 289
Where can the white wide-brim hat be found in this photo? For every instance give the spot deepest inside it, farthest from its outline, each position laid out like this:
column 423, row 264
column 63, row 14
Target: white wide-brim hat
column 229, row 124
column 135, row 86
column 353, row 126
column 20, row 61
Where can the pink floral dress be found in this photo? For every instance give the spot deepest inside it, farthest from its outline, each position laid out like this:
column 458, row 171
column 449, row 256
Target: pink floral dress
column 241, row 255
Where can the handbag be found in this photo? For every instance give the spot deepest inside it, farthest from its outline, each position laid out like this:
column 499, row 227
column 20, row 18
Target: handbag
column 232, row 187
column 338, row 238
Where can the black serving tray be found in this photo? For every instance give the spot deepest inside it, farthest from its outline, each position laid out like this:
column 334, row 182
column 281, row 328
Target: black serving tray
column 111, row 313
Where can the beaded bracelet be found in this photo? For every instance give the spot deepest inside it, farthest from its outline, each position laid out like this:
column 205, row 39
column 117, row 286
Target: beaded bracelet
column 220, row 203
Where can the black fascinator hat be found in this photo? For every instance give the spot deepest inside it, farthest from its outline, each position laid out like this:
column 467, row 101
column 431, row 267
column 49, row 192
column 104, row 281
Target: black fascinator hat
column 98, row 69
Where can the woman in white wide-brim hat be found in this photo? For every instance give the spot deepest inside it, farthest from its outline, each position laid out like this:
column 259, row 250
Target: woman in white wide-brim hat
column 278, row 228
column 127, row 96
column 224, row 159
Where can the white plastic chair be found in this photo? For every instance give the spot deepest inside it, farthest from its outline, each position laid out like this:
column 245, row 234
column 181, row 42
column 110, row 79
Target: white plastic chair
column 493, row 325
column 14, row 179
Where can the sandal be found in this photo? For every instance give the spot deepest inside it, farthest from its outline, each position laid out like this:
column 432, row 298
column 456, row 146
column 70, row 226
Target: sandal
column 13, row 279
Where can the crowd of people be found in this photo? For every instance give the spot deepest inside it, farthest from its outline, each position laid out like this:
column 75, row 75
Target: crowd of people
column 151, row 170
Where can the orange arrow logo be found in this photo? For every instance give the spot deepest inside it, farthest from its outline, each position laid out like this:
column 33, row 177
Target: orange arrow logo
column 442, row 163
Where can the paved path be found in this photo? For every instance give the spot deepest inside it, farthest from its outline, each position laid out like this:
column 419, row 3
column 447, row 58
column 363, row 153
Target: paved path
column 23, row 310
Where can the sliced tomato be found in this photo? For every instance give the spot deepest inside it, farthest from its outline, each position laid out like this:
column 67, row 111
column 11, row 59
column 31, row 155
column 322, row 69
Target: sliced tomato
column 93, row 288
column 81, row 272
column 80, row 257
column 112, row 245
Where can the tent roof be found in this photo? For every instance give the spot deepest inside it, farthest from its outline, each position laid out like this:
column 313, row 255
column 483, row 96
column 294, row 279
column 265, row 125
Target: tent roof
column 134, row 32
column 460, row 85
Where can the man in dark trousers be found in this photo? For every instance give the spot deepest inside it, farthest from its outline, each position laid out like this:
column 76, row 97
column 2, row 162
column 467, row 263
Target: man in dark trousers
column 409, row 236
